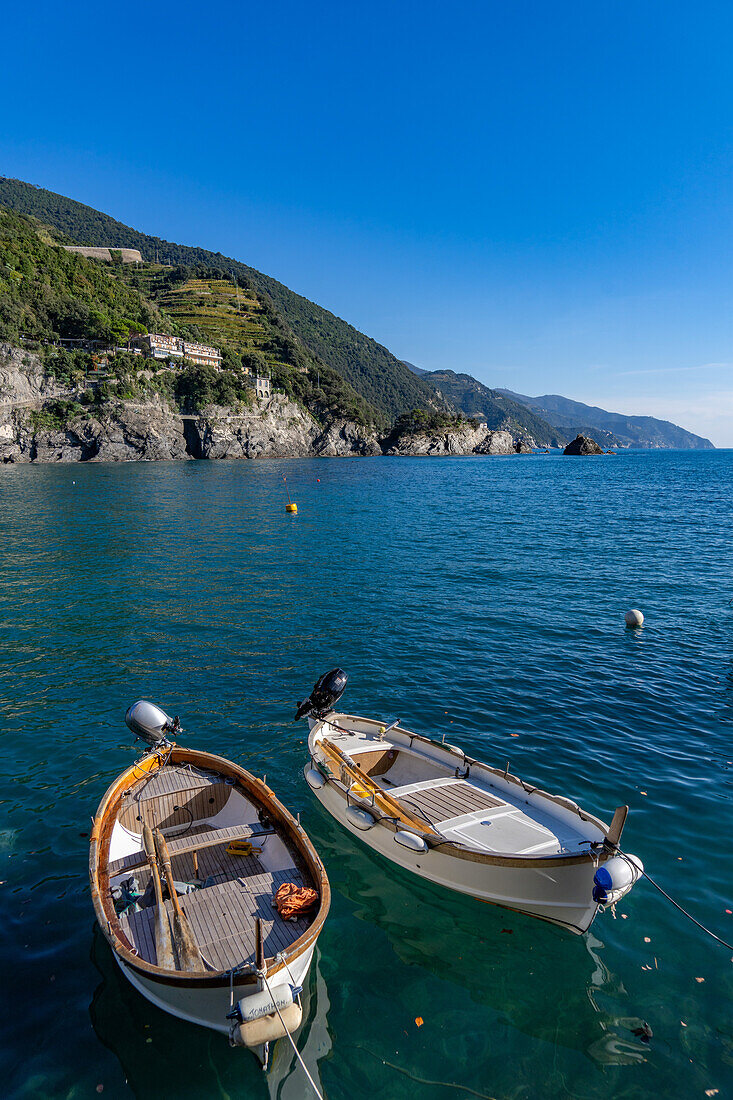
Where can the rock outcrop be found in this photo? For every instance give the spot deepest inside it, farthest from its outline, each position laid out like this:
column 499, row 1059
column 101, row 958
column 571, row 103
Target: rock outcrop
column 23, row 381
column 126, row 432
column 342, row 438
column 274, row 428
column 461, row 441
column 583, row 445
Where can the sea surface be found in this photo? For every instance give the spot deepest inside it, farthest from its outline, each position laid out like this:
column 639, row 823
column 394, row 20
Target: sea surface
column 481, row 598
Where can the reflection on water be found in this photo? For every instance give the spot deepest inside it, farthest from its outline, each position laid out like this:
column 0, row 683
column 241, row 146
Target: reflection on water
column 159, row 1053
column 285, row 1079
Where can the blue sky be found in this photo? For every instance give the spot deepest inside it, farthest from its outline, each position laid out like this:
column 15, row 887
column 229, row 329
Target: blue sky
column 538, row 194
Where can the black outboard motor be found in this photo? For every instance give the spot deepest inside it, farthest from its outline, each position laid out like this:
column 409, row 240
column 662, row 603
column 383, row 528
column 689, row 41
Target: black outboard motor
column 325, row 694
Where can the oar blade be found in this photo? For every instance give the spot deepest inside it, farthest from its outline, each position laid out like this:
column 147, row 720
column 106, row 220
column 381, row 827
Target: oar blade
column 186, row 947
column 164, row 950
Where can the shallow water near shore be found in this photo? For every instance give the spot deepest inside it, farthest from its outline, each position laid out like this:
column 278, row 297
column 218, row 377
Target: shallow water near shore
column 482, row 598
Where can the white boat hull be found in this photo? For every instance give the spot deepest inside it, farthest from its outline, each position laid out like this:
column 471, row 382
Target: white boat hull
column 478, row 830
column 563, row 897
column 208, row 1007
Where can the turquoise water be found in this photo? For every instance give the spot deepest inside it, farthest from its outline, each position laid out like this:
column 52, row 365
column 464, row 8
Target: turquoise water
column 477, row 597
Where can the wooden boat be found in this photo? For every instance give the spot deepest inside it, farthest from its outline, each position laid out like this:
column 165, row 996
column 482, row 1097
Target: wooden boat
column 215, row 952
column 433, row 810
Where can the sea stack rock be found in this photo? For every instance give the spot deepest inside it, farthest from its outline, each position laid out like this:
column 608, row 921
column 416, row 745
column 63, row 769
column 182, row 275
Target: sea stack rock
column 583, row 445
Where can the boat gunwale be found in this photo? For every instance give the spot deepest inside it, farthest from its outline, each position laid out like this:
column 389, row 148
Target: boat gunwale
column 455, row 848
column 103, row 824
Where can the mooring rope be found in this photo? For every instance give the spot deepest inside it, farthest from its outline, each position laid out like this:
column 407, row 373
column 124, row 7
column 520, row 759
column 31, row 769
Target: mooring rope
column 304, row 1067
column 676, row 904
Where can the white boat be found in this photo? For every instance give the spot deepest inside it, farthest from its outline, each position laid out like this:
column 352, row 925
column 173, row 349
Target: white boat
column 431, row 809
column 216, row 952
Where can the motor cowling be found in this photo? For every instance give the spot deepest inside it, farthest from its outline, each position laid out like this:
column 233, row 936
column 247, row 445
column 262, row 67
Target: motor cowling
column 326, row 693
column 150, row 723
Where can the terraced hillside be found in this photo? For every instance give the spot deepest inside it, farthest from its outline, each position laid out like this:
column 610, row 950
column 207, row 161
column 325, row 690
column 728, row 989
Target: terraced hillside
column 222, row 313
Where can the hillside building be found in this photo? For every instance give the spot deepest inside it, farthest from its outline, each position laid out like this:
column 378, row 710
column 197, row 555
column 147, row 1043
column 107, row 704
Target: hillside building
column 262, row 387
column 157, row 346
column 201, row 354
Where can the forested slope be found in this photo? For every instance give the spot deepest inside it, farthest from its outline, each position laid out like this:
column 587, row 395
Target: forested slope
column 382, row 379
column 498, row 411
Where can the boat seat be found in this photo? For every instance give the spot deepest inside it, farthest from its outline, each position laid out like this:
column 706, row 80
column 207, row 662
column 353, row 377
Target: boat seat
column 191, row 843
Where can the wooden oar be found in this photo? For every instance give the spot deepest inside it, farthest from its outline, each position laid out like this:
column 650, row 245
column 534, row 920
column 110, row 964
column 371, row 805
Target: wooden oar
column 183, row 937
column 389, row 805
column 164, row 952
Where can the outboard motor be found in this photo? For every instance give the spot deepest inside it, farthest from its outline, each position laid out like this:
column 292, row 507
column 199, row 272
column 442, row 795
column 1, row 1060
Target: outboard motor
column 151, row 724
column 326, row 693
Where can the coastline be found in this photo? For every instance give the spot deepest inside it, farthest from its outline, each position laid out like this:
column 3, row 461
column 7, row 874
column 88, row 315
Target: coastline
column 45, row 421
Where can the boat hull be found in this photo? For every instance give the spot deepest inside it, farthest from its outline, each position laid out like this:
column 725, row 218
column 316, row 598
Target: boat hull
column 208, row 1007
column 559, row 891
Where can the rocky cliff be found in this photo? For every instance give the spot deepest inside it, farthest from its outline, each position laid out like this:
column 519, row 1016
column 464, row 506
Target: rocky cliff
column 42, row 420
column 274, row 428
column 150, row 429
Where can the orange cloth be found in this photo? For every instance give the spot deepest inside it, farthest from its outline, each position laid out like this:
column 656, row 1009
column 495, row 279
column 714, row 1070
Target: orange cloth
column 293, row 901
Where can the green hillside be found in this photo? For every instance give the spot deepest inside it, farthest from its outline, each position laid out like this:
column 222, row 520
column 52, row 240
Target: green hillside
column 382, row 379
column 48, row 294
column 251, row 333
column 494, row 407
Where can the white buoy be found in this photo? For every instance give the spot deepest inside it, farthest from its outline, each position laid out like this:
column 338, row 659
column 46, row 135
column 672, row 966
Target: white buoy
column 634, row 617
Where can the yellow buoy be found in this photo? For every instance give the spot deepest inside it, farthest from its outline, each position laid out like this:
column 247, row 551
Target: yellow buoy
column 290, row 506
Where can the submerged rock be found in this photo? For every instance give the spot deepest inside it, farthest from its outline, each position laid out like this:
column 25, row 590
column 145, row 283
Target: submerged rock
column 583, row 445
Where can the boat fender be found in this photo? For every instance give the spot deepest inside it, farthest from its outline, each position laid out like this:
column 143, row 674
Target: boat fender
column 410, row 840
column 615, row 877
column 360, row 819
column 261, row 1004
column 266, row 1029
column 314, row 779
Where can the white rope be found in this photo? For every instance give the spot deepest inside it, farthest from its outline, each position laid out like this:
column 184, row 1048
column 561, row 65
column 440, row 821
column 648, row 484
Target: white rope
column 304, row 1067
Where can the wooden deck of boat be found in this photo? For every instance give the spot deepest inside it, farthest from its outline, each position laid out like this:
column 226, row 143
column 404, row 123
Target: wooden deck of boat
column 231, row 890
column 438, row 803
column 173, row 796
column 197, row 839
column 214, row 865
column 222, row 918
